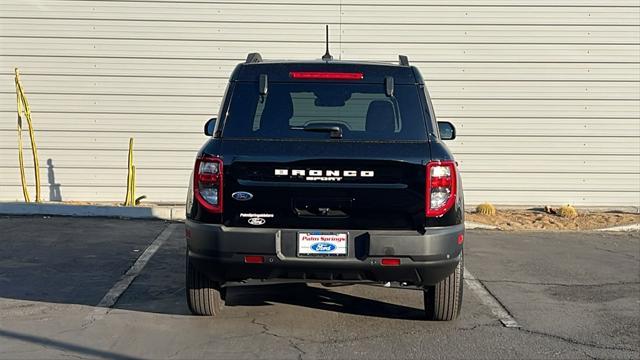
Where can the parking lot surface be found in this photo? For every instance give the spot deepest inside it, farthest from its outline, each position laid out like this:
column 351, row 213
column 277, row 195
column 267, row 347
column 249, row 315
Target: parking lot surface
column 574, row 295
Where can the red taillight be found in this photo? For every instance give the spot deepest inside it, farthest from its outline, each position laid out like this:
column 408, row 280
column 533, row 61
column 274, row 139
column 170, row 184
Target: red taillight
column 326, row 75
column 207, row 183
column 440, row 188
column 390, row 262
column 253, row 259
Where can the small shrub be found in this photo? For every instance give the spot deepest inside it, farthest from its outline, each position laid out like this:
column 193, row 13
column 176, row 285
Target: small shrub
column 567, row 211
column 486, row 209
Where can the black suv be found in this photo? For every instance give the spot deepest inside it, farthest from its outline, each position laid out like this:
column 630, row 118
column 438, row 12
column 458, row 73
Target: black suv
column 328, row 172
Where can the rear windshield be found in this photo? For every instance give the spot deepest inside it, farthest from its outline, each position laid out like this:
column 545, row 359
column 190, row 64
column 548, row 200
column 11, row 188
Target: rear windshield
column 292, row 110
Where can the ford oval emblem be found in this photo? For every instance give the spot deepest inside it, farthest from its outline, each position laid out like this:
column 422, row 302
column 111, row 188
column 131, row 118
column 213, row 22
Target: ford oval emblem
column 323, row 247
column 257, row 221
column 242, row 195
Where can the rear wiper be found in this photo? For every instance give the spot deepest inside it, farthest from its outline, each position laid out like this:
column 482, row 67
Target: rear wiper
column 335, row 131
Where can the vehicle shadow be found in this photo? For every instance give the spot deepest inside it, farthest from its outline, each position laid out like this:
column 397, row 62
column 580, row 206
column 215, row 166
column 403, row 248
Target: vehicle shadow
column 316, row 297
column 160, row 288
column 172, row 300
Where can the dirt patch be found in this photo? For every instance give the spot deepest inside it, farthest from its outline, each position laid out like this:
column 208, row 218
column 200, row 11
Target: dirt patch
column 539, row 220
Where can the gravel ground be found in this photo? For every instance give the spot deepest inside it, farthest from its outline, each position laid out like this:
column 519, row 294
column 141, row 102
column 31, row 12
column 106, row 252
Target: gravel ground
column 519, row 220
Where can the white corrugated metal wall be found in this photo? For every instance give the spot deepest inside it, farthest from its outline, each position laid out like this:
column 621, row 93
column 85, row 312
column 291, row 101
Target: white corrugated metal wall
column 545, row 94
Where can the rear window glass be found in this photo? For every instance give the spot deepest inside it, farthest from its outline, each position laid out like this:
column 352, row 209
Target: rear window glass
column 362, row 111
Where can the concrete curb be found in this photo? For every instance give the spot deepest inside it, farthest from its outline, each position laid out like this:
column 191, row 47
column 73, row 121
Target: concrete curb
column 140, row 212
column 631, row 227
column 474, row 225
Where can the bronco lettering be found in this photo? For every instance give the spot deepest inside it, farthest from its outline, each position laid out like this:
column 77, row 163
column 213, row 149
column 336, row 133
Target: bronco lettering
column 324, row 173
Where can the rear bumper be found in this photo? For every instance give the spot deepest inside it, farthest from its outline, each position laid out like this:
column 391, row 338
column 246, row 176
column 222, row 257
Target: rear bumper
column 425, row 259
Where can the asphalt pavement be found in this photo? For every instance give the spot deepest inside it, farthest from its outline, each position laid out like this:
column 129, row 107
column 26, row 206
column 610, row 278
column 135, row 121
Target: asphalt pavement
column 574, row 295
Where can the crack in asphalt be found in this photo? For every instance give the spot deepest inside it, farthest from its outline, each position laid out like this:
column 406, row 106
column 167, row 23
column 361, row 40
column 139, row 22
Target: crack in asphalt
column 576, row 342
column 267, row 331
column 586, row 353
column 477, row 326
column 553, row 336
column 623, row 253
column 559, row 337
column 86, row 324
column 560, row 284
column 377, row 336
column 71, row 355
column 90, row 320
column 188, row 347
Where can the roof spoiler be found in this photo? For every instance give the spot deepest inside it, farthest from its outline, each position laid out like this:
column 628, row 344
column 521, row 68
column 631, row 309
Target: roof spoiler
column 257, row 58
column 253, row 58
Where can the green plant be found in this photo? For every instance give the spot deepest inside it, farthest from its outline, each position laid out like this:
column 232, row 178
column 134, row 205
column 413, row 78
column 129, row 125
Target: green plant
column 486, row 209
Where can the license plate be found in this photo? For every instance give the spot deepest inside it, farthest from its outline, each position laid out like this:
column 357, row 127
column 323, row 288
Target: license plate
column 322, row 243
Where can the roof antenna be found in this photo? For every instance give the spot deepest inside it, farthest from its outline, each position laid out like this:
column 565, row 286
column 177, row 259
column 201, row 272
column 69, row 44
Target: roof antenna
column 327, row 56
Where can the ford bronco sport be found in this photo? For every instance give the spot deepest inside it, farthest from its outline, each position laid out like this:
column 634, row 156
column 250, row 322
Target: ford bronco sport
column 330, row 172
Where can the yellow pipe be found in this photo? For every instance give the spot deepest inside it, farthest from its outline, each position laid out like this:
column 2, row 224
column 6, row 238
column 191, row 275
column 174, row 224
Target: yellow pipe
column 129, row 198
column 23, row 179
column 32, row 136
column 133, row 185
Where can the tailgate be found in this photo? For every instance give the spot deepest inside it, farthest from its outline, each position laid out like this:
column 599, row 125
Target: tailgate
column 317, row 186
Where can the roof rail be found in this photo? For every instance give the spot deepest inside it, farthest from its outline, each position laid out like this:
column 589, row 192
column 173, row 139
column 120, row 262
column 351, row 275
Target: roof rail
column 404, row 60
column 253, row 58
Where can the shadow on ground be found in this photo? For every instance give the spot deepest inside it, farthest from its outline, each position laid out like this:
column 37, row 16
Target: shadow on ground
column 318, row 298
column 160, row 289
column 68, row 260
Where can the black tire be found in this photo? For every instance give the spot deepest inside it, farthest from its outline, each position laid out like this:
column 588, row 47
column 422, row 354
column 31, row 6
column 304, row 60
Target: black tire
column 204, row 296
column 443, row 301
